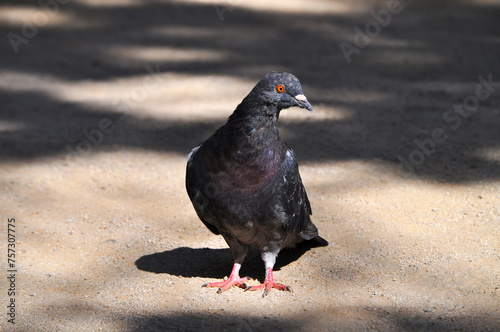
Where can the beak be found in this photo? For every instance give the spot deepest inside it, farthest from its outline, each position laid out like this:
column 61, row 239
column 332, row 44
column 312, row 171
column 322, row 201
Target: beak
column 302, row 102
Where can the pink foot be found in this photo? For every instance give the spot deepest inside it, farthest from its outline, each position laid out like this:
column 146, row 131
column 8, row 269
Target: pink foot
column 233, row 280
column 269, row 283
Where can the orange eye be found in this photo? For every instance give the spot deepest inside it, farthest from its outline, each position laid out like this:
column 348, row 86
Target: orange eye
column 280, row 88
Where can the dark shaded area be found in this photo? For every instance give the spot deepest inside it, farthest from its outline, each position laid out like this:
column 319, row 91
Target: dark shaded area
column 426, row 59
column 416, row 320
column 379, row 318
column 214, row 322
column 215, row 263
column 61, row 130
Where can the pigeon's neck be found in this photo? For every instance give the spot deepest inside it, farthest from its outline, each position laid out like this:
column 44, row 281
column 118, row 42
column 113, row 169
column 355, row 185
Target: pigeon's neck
column 254, row 135
column 255, row 123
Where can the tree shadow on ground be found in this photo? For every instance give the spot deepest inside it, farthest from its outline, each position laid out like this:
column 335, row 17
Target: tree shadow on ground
column 365, row 318
column 394, row 93
column 384, row 318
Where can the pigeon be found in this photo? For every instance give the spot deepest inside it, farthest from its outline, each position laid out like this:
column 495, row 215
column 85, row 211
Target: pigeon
column 245, row 185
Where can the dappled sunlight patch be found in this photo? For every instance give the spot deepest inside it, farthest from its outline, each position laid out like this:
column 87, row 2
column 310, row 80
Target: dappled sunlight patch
column 153, row 94
column 183, row 31
column 109, row 3
column 25, row 81
column 38, row 17
column 7, row 126
column 491, row 154
column 131, row 54
column 294, row 6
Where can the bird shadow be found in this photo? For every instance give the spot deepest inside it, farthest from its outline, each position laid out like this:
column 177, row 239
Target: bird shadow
column 215, row 263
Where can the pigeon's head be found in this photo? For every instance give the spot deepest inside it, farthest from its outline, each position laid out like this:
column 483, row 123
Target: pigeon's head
column 282, row 90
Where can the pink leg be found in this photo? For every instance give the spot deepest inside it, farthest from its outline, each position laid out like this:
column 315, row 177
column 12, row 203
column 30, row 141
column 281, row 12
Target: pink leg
column 233, row 280
column 269, row 283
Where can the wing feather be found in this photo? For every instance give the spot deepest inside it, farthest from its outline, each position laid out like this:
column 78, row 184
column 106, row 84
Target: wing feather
column 294, row 199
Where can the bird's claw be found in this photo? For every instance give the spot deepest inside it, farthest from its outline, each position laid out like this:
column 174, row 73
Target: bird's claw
column 268, row 285
column 228, row 283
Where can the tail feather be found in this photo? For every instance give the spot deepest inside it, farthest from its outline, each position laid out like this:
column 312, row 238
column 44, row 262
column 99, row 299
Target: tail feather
column 319, row 241
column 310, row 232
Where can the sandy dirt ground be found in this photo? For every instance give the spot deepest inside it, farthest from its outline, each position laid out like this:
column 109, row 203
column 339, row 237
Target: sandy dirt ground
column 101, row 101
